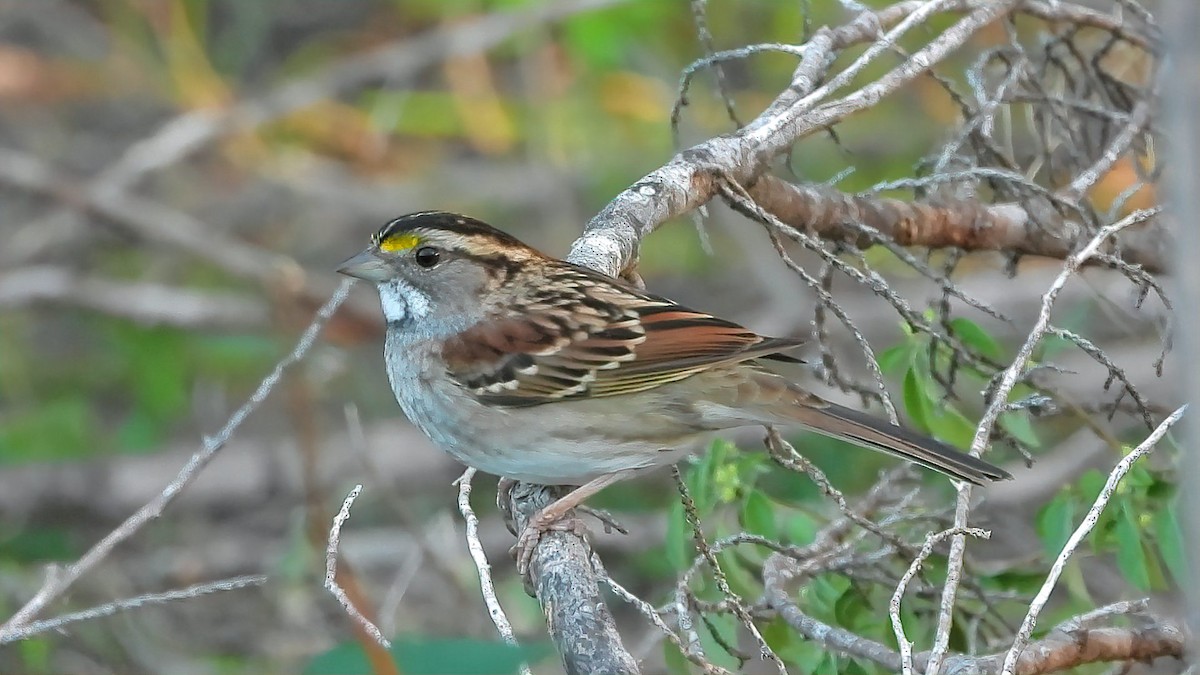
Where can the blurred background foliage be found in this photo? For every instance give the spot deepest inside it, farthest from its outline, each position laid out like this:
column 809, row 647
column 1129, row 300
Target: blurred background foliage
column 534, row 134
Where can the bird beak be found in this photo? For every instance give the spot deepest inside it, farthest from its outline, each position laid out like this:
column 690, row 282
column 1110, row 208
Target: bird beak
column 366, row 266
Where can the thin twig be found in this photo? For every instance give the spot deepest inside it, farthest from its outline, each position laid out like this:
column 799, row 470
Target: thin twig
column 110, row 608
column 739, row 607
column 495, row 610
column 331, row 556
column 1089, row 522
column 931, row 540
column 647, row 610
column 60, row 580
column 1008, row 380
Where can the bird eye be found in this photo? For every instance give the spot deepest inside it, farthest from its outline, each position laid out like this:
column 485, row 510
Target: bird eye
column 427, row 256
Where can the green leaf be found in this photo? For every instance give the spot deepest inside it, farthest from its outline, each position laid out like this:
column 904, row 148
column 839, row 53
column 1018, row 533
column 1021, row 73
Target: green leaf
column 951, row 426
column 35, row 654
column 895, row 359
column 758, row 515
column 415, row 655
column 1017, row 424
column 803, row 656
column 676, row 663
column 823, row 592
column 852, row 608
column 916, row 400
column 1131, row 557
column 1170, row 542
column 740, row 580
column 140, row 431
column 977, row 338
column 801, row 527
column 62, row 428
column 1055, row 523
column 727, row 629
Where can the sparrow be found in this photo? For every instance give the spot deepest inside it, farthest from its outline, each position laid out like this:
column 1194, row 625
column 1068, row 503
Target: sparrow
column 535, row 369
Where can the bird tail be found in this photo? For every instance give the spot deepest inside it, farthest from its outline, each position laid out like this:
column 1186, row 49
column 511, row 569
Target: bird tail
column 865, row 430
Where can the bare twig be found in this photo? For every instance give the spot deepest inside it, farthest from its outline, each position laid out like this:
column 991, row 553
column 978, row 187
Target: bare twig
column 735, row 601
column 1089, row 522
column 983, row 431
column 110, row 608
column 59, row 581
column 331, row 556
column 1058, row 651
column 495, row 611
column 931, row 540
column 611, row 239
column 647, row 610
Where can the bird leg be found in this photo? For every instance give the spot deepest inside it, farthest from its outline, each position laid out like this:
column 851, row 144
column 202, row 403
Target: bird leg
column 552, row 518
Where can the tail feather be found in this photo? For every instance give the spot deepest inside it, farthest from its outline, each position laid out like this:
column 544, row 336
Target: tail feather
column 862, row 429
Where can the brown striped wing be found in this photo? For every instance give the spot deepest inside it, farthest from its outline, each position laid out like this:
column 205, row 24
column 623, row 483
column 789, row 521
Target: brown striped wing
column 586, row 335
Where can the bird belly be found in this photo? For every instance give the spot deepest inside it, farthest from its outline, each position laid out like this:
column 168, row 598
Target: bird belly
column 563, row 443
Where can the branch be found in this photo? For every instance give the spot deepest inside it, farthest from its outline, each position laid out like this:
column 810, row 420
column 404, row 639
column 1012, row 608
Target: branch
column 565, row 584
column 331, row 584
column 1068, row 646
column 108, row 609
column 931, row 540
column 57, row 582
column 999, row 397
column 1089, row 522
column 495, row 610
column 968, row 225
column 611, row 239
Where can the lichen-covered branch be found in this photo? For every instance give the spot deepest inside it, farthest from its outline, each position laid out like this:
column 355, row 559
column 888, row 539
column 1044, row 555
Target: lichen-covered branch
column 565, row 584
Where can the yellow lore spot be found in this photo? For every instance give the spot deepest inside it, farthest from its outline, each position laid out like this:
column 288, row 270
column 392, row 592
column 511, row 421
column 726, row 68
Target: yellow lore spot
column 399, row 243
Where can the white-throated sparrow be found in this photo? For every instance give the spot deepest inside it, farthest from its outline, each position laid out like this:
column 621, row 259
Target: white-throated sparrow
column 536, row 369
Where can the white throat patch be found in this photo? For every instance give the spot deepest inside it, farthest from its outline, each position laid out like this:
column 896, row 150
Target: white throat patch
column 401, row 301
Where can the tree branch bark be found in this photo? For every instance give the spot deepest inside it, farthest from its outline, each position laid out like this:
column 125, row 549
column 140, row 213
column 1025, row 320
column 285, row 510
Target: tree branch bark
column 565, row 584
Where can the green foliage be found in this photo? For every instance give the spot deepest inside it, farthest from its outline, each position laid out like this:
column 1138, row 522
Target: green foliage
column 918, row 357
column 417, row 655
column 133, row 392
column 37, row 545
column 1139, row 527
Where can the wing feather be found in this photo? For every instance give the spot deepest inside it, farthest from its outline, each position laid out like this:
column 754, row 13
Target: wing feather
column 586, row 335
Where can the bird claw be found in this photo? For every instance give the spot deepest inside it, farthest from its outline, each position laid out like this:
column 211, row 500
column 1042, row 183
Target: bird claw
column 540, row 524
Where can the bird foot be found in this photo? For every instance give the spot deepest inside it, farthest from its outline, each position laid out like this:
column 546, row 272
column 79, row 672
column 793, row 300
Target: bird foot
column 540, row 524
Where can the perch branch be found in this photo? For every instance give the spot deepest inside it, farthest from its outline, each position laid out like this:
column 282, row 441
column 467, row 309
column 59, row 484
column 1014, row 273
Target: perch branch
column 565, row 584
